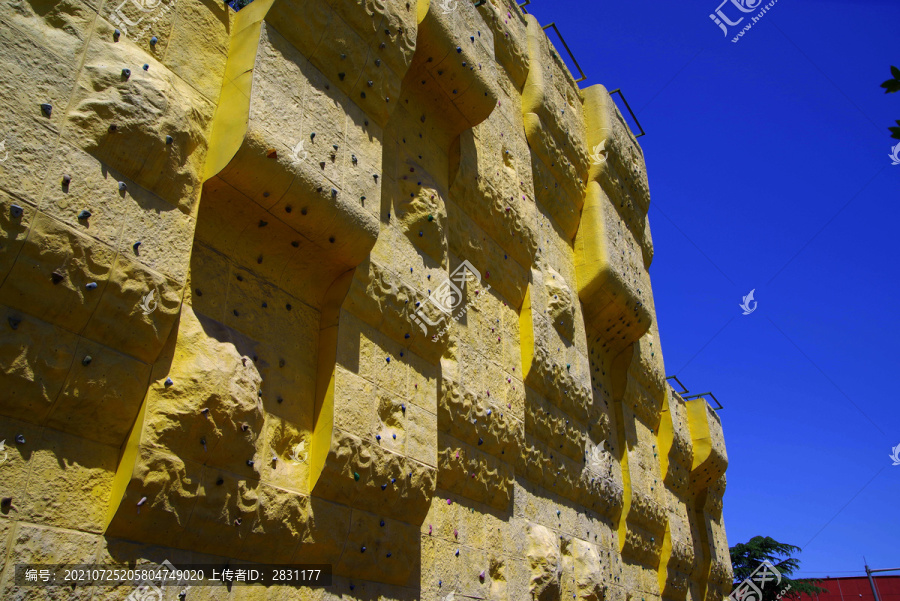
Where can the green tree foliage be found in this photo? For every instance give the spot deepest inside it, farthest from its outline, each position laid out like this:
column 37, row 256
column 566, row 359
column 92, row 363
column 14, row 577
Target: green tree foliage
column 890, row 86
column 746, row 557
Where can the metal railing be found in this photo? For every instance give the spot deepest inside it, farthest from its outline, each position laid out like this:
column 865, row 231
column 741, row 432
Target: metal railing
column 566, row 46
column 577, row 66
column 631, row 112
column 683, row 393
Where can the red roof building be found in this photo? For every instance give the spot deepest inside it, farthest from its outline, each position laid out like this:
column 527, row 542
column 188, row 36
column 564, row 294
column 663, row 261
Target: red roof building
column 857, row 588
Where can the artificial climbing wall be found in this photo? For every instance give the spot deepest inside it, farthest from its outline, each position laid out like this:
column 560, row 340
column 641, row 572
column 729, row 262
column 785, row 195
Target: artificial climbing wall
column 229, row 333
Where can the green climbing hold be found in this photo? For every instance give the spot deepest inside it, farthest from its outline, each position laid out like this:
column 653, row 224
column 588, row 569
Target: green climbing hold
column 431, row 218
column 356, row 476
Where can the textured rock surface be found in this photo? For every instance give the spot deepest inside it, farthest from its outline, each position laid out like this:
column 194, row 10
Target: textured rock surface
column 359, row 282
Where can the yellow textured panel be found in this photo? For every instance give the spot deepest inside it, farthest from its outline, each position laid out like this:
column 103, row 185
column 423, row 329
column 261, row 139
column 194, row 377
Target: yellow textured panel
column 359, row 282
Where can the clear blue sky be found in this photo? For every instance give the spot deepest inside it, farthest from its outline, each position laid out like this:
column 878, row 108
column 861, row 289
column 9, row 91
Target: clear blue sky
column 769, row 169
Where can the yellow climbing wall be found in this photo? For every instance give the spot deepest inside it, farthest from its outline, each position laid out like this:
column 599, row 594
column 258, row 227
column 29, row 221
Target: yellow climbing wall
column 359, row 282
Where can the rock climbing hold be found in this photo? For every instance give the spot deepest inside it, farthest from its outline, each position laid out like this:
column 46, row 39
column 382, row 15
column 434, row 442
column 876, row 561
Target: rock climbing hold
column 126, row 73
column 84, row 214
column 122, row 186
column 15, row 211
column 481, row 575
column 449, row 501
column 113, row 127
column 238, row 521
column 14, row 322
column 341, row 76
column 20, row 439
column 388, row 553
column 333, row 193
column 168, row 382
column 142, row 501
column 378, row 437
column 458, row 49
column 382, row 523
column 153, row 41
column 57, row 277
column 394, row 436
column 356, row 476
column 402, row 407
column 457, row 553
column 47, row 109
column 116, row 34
column 362, row 550
column 250, row 462
column 169, row 140
column 91, row 285
column 377, row 62
column 146, row 67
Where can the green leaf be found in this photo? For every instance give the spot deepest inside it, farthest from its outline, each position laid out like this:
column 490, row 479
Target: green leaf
column 891, row 85
column 896, row 72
